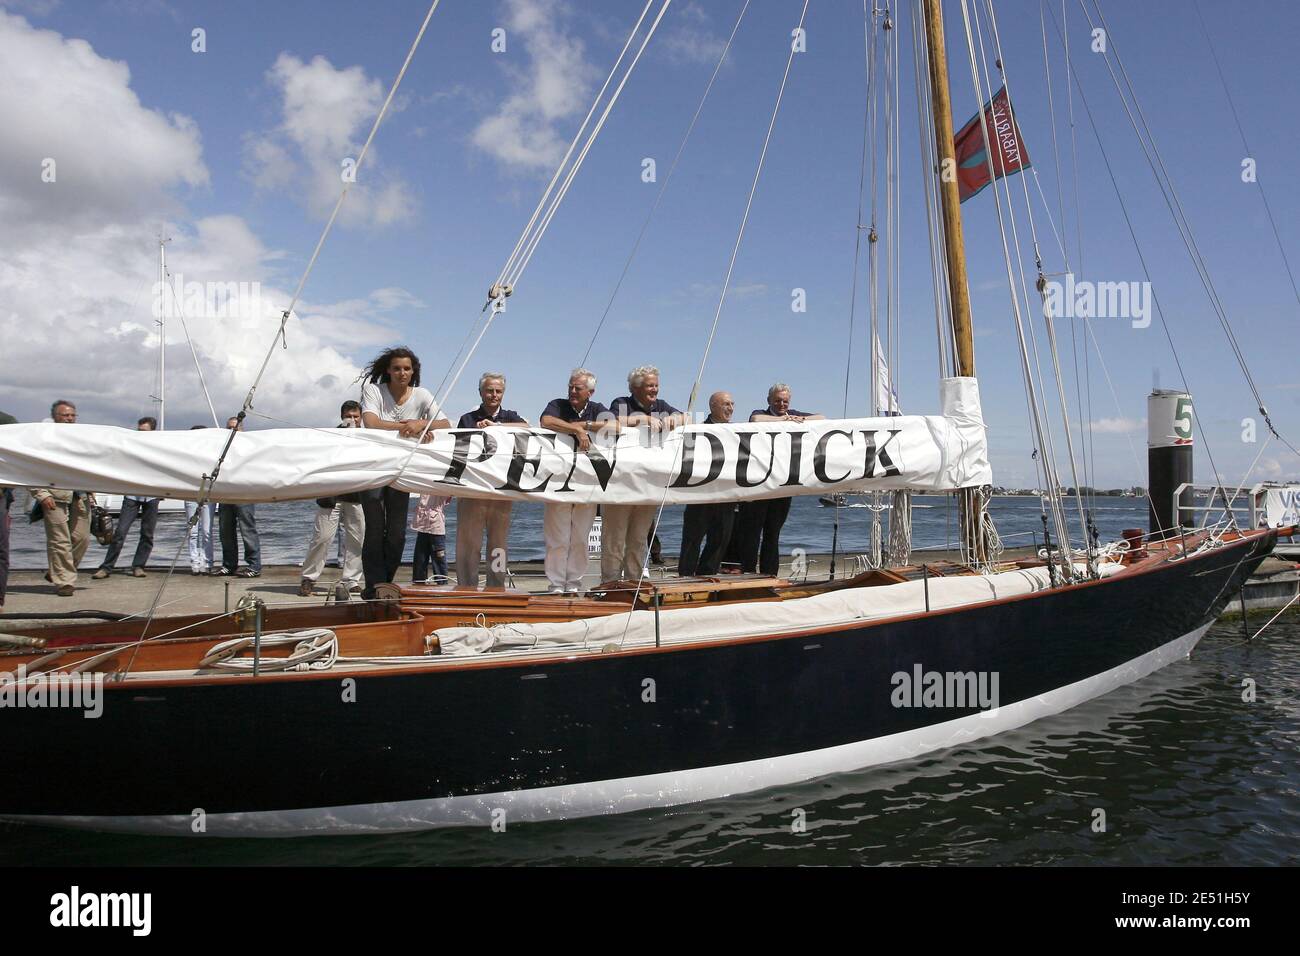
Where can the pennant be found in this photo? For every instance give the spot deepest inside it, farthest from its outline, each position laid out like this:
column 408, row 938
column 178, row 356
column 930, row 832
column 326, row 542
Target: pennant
column 1009, row 153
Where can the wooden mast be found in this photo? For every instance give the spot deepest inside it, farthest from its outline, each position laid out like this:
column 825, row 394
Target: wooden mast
column 954, row 247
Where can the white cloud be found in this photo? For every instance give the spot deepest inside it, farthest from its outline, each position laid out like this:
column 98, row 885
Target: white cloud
column 326, row 114
column 689, row 40
column 1270, row 468
column 78, row 260
column 1118, row 426
column 554, row 86
column 112, row 156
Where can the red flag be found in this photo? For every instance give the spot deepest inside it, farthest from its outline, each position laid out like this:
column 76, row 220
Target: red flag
column 1009, row 154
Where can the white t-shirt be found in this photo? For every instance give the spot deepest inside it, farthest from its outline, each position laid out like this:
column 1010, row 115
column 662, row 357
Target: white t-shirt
column 378, row 399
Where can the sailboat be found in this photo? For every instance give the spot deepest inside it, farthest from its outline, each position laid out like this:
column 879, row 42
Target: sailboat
column 441, row 707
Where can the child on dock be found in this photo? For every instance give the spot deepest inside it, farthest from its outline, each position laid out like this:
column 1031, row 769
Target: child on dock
column 430, row 525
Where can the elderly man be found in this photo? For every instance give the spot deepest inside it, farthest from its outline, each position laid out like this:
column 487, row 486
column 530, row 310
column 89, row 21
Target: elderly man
column 625, row 530
column 241, row 520
column 329, row 513
column 67, row 519
column 761, row 521
column 147, row 509
column 474, row 515
column 566, row 526
column 714, row 520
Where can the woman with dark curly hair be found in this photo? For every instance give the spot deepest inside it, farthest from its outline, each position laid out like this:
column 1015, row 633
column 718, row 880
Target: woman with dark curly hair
column 392, row 400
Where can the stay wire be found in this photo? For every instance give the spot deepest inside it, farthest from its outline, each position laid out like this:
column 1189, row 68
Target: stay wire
column 1170, row 195
column 735, row 251
column 663, row 188
column 208, row 481
column 1146, row 271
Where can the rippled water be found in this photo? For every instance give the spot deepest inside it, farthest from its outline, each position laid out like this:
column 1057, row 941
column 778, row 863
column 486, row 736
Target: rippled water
column 1186, row 772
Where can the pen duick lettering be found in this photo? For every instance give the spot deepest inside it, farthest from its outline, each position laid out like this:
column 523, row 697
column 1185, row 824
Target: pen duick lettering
column 76, row 908
column 707, row 460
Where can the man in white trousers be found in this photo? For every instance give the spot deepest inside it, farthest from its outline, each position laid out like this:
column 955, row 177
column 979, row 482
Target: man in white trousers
column 474, row 516
column 625, row 529
column 330, row 511
column 565, row 527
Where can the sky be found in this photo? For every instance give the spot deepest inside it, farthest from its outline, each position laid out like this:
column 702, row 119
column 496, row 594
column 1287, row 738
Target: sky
column 118, row 129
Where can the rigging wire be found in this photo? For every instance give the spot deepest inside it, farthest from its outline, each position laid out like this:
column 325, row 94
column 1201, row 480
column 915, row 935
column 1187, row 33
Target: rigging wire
column 868, row 18
column 1268, row 209
column 740, row 235
column 1044, row 444
column 767, row 139
column 929, row 174
column 515, row 272
column 208, row 481
column 1146, row 271
column 546, row 194
column 180, row 311
column 1041, row 284
column 514, row 268
column 1170, row 195
column 663, row 188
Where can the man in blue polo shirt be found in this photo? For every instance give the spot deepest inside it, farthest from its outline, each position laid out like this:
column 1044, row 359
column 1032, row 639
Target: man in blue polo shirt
column 566, row 526
column 761, row 521
column 625, row 529
column 474, row 515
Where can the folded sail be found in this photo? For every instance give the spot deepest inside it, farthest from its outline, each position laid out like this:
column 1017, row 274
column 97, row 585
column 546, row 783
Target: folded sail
column 696, row 464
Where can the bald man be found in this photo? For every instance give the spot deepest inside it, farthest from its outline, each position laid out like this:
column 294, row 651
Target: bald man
column 710, row 524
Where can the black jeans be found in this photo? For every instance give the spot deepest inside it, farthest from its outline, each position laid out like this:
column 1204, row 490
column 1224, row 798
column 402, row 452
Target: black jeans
column 148, row 512
column 5, row 500
column 710, row 526
column 230, row 517
column 760, row 534
column 430, row 555
column 381, row 555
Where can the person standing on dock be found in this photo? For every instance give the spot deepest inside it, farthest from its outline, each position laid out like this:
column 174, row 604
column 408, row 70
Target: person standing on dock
column 761, row 521
column 714, row 520
column 231, row 517
column 147, row 509
column 474, row 515
column 429, row 560
column 626, row 529
column 199, row 535
column 565, row 526
column 330, row 512
column 392, row 400
column 6, row 503
column 67, row 520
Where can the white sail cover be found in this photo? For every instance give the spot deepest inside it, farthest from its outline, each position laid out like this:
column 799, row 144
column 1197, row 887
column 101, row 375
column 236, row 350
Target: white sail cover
column 688, row 625
column 695, row 464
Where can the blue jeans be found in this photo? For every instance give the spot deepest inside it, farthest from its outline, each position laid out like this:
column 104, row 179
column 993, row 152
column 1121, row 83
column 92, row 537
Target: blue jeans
column 430, row 555
column 200, row 536
column 148, row 511
column 230, row 516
